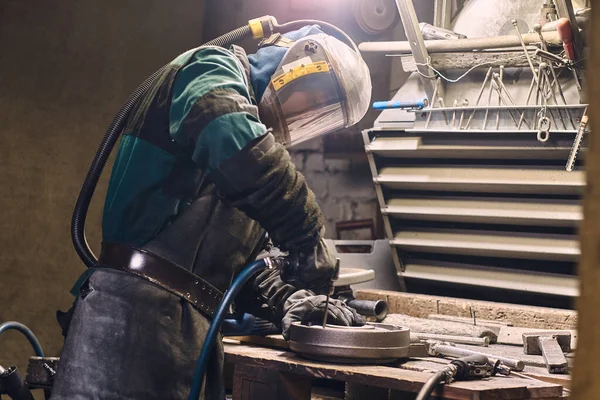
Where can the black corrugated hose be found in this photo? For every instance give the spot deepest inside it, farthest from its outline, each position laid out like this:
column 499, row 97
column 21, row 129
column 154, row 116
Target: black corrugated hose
column 108, row 143
column 431, row 384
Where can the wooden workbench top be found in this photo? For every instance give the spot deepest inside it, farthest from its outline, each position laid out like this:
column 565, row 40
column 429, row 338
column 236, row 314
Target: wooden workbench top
column 408, row 376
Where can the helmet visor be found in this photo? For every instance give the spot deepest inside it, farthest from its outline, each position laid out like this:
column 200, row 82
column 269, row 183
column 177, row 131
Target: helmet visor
column 310, row 105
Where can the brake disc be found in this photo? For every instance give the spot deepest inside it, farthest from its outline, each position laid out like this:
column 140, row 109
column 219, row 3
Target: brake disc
column 373, row 343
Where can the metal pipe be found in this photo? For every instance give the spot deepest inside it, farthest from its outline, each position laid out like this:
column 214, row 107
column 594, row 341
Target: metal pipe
column 474, row 341
column 378, row 309
column 442, row 46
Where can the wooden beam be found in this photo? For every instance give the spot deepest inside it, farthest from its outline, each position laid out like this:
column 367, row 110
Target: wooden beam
column 421, row 305
column 467, row 59
column 586, row 384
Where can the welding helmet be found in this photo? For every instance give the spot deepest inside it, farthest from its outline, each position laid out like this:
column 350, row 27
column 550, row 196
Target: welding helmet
column 321, row 85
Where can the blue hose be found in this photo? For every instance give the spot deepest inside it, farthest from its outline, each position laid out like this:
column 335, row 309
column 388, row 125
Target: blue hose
column 220, row 314
column 17, row 326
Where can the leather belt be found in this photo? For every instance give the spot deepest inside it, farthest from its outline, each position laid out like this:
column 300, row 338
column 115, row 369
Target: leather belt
column 163, row 273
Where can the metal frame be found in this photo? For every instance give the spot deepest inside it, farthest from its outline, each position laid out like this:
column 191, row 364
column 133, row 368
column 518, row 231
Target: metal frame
column 410, row 22
column 442, row 16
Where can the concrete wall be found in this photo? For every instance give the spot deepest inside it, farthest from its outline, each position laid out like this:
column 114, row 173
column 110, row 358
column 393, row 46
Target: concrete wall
column 65, row 68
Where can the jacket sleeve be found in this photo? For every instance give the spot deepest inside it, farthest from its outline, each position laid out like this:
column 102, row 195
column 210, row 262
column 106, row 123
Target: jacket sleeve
column 212, row 116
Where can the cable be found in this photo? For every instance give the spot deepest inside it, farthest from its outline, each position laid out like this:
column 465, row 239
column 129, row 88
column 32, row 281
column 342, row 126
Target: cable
column 17, row 326
column 431, row 384
column 215, row 325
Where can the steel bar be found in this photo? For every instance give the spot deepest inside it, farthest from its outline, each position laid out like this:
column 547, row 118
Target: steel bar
column 514, row 22
column 487, row 111
column 487, row 76
column 581, row 106
column 500, row 78
column 501, row 91
column 497, row 88
column 410, row 22
column 469, row 44
column 433, row 99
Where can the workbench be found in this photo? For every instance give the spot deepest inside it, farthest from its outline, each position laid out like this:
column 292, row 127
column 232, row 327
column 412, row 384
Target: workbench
column 275, row 373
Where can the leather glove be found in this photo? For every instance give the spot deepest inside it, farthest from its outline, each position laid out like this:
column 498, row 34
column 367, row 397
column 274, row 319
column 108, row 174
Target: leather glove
column 303, row 306
column 311, row 268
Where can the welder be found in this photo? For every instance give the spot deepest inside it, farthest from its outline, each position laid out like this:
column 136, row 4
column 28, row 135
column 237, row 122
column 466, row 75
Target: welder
column 202, row 173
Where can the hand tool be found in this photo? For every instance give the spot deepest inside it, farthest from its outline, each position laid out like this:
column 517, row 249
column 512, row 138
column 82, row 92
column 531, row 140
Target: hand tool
column 464, row 103
column 460, row 369
column 551, row 346
column 514, row 22
column 489, row 103
column 577, row 142
column 442, row 105
column 455, row 104
column 330, row 289
column 432, row 102
column 566, row 35
column 500, row 78
column 487, row 76
column 449, row 350
column 410, row 105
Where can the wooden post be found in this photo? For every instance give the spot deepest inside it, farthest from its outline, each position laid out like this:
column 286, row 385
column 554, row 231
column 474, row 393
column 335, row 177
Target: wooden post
column 586, row 384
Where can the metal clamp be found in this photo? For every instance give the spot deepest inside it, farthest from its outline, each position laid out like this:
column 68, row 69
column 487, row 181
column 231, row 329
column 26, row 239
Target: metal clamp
column 544, row 125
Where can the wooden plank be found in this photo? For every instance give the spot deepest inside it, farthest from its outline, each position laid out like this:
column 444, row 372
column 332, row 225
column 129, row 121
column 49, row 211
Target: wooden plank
column 424, row 325
column 467, row 59
column 468, row 320
column 421, row 305
column 513, row 335
column 388, row 377
column 586, row 384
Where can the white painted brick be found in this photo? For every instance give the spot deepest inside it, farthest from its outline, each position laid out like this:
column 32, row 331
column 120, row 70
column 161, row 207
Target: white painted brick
column 337, row 165
column 298, row 160
column 314, row 163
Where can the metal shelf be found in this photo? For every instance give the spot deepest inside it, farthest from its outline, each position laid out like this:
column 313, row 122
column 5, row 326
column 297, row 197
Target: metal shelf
column 492, row 180
column 489, row 244
column 485, row 211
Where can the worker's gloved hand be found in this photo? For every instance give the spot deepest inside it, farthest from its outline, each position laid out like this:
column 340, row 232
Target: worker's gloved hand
column 303, row 306
column 311, row 268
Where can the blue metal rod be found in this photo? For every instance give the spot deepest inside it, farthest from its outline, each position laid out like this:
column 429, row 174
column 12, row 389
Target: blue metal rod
column 215, row 325
column 383, row 105
column 17, row 326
